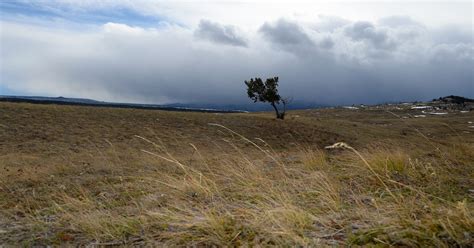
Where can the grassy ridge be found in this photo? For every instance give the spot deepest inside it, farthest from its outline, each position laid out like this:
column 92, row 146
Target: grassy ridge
column 84, row 175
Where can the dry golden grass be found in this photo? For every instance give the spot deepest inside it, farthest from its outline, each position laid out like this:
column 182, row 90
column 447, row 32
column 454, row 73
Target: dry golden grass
column 103, row 176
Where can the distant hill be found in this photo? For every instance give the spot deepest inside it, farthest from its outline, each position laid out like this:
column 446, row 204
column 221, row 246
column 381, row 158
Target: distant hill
column 454, row 99
column 90, row 102
column 48, row 99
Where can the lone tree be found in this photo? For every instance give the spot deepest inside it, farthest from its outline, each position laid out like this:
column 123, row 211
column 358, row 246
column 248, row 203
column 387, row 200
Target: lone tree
column 259, row 91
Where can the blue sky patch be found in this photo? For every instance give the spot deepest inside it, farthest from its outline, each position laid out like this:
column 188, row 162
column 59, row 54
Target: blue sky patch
column 13, row 10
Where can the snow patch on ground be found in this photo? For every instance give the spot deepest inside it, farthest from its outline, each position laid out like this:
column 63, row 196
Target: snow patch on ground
column 350, row 107
column 421, row 107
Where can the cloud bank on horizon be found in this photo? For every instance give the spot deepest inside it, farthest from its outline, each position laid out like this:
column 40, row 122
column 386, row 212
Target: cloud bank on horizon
column 201, row 52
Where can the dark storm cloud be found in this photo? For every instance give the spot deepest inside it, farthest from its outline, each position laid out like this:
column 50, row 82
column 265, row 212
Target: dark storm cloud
column 224, row 34
column 326, row 43
column 285, row 32
column 345, row 65
column 290, row 37
column 459, row 53
column 368, row 32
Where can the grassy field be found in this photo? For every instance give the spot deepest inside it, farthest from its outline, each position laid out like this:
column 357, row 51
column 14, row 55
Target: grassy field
column 105, row 176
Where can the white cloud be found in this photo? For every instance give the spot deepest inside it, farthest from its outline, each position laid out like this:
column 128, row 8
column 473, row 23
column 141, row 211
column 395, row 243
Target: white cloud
column 119, row 28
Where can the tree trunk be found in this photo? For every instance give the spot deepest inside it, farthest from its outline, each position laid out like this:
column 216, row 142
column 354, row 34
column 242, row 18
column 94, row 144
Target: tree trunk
column 278, row 114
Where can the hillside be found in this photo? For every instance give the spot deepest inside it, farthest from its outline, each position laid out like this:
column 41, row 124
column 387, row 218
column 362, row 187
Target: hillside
column 93, row 103
column 83, row 175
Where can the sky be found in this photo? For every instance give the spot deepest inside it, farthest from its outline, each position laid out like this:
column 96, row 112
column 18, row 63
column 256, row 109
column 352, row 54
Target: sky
column 324, row 52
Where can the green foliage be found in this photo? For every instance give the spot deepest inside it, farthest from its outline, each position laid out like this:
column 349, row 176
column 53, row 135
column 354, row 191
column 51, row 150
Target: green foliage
column 267, row 91
column 259, row 91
